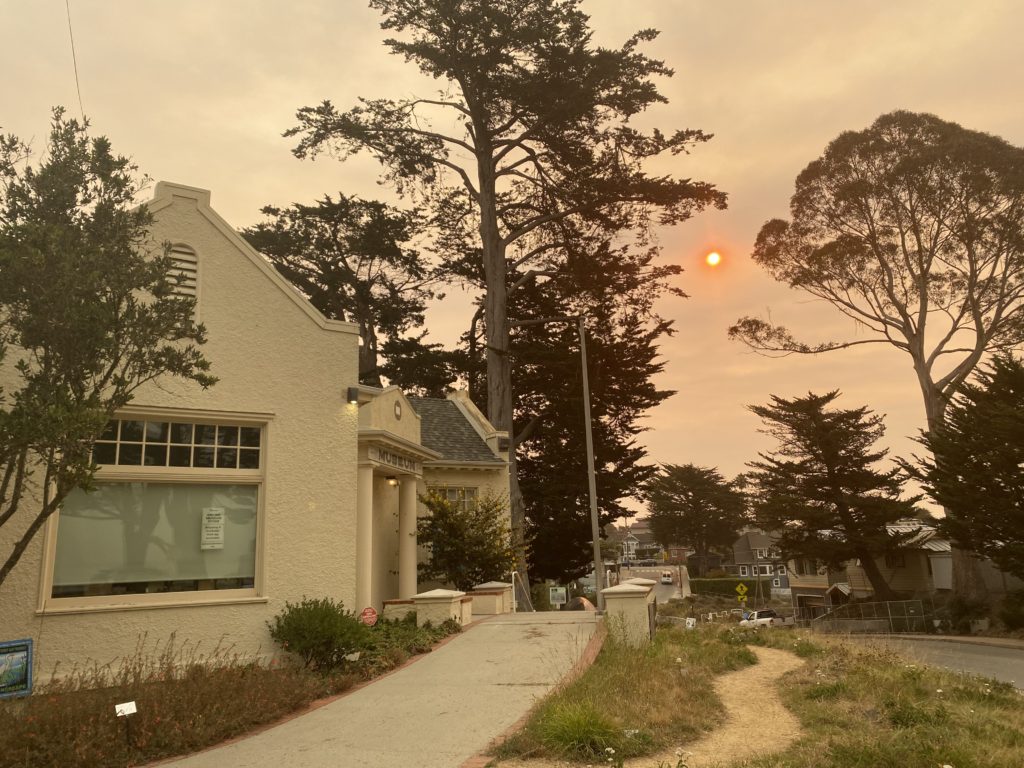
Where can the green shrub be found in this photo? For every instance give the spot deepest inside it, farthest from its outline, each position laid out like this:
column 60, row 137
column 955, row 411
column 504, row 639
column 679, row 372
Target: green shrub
column 578, row 729
column 320, row 632
column 1012, row 610
column 727, row 586
column 964, row 610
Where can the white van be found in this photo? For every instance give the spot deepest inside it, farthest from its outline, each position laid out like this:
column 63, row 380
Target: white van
column 666, row 577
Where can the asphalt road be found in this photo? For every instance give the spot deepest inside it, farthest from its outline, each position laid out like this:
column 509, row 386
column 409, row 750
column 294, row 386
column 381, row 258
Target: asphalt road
column 664, row 592
column 1006, row 664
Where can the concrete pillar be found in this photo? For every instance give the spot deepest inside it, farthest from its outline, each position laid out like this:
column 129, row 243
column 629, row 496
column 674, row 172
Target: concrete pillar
column 364, row 537
column 407, row 575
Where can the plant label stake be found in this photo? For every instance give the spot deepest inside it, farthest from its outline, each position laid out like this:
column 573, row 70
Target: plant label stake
column 124, row 710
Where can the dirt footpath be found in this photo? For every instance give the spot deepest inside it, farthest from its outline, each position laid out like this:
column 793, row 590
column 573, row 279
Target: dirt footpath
column 749, row 695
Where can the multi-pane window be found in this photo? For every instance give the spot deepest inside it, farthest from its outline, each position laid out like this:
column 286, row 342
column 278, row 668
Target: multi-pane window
column 176, row 509
column 461, row 498
column 129, row 442
column 895, row 560
column 743, row 570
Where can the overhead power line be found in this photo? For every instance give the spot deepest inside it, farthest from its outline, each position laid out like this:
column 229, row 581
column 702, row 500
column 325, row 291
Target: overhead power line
column 74, row 59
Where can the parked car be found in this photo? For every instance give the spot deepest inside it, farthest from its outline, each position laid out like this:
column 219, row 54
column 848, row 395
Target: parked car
column 766, row 617
column 666, row 577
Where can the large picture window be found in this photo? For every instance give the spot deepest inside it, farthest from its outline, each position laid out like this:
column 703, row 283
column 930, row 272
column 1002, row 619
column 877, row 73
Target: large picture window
column 131, row 538
column 176, row 509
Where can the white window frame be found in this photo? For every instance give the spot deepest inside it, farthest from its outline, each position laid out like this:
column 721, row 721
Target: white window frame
column 777, row 583
column 780, row 570
column 47, row 604
column 461, row 491
column 743, row 570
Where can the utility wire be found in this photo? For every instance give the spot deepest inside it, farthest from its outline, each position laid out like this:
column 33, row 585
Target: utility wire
column 74, row 59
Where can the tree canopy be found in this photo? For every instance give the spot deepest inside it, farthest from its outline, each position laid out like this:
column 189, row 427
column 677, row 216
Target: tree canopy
column 88, row 311
column 353, row 260
column 466, row 544
column 914, row 229
column 695, row 506
column 530, row 130
column 821, row 490
column 614, row 290
column 977, row 469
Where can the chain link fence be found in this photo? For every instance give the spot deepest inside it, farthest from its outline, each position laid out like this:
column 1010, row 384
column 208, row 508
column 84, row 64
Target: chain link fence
column 894, row 616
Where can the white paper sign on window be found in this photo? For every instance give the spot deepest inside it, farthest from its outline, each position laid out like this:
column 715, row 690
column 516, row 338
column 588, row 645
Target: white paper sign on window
column 212, row 534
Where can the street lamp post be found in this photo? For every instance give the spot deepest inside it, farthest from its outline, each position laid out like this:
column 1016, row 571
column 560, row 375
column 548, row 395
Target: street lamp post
column 595, row 528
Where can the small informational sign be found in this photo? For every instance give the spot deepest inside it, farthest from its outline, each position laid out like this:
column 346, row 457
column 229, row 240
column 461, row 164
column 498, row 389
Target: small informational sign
column 212, row 534
column 368, row 616
column 15, row 668
column 558, row 595
column 123, row 710
column 691, row 623
column 741, row 589
column 741, row 598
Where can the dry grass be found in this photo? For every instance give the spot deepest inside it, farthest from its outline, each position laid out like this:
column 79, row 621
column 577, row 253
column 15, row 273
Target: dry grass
column 636, row 701
column 866, row 707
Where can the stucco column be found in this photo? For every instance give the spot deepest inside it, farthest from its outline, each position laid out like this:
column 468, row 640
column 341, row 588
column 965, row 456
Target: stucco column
column 407, row 538
column 364, row 537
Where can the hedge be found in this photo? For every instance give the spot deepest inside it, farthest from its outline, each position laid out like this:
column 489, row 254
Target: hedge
column 727, row 587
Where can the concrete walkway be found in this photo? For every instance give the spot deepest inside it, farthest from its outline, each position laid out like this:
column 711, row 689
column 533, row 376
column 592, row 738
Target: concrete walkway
column 435, row 713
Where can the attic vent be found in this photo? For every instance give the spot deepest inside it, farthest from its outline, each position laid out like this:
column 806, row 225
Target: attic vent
column 184, row 269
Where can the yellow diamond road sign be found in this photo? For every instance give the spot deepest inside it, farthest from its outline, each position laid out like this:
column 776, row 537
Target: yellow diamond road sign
column 741, row 588
column 741, row 598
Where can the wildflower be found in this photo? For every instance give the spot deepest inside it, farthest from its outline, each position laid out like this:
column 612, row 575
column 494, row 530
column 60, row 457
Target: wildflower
column 609, row 750
column 938, row 690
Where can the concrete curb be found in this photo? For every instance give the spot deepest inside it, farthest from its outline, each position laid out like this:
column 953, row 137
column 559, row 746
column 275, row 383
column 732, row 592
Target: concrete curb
column 994, row 642
column 594, row 645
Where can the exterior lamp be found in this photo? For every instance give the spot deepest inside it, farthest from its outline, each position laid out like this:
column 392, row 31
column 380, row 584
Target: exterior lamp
column 353, row 395
column 392, row 480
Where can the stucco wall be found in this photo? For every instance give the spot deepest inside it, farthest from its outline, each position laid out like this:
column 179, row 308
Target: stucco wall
column 272, row 356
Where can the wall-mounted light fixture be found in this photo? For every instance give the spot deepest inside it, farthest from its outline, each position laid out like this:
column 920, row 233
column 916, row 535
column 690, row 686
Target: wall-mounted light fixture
column 392, row 480
column 353, row 395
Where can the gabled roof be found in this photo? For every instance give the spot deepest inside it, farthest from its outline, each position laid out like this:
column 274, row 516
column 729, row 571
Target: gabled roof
column 445, row 429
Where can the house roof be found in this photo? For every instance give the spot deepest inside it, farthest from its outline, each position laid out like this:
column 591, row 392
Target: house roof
column 924, row 536
column 445, row 429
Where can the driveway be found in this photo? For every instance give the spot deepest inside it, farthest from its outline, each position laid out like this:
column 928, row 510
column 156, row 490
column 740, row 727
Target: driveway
column 434, row 713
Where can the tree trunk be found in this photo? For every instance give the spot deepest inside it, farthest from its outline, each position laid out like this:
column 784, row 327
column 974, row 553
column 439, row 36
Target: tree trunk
column 499, row 364
column 879, row 585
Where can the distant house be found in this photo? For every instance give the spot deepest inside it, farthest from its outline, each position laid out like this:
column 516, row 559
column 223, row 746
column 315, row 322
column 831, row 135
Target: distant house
column 636, row 541
column 922, row 568
column 756, row 556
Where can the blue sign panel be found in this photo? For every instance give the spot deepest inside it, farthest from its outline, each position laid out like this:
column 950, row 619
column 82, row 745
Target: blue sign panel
column 15, row 668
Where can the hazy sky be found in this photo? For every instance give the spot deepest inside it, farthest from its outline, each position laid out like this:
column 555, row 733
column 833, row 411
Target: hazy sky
column 199, row 92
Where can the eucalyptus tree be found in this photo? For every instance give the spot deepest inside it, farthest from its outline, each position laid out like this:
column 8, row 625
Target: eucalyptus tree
column 914, row 229
column 531, row 127
column 977, row 469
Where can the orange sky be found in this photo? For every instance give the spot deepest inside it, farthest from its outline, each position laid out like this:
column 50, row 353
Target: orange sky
column 199, row 92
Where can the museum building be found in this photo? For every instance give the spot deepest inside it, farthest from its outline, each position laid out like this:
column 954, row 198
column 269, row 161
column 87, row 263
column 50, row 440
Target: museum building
column 213, row 508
